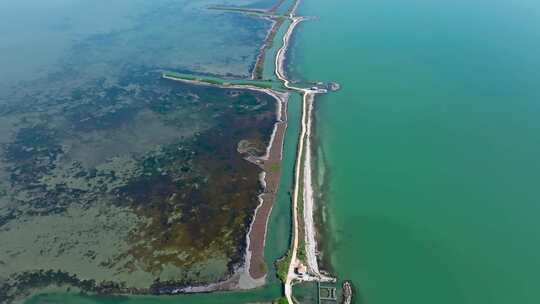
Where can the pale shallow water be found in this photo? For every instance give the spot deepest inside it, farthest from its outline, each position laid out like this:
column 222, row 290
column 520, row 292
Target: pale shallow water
column 56, row 48
column 97, row 38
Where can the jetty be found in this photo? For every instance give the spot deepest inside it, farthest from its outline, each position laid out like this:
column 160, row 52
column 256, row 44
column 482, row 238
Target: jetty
column 326, row 294
column 302, row 199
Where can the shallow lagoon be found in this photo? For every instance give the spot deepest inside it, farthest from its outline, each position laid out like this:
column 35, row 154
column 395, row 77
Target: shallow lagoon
column 90, row 39
column 66, row 60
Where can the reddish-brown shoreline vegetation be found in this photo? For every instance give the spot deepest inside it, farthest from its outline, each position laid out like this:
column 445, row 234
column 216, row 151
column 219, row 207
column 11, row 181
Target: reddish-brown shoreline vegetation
column 259, row 64
column 272, row 168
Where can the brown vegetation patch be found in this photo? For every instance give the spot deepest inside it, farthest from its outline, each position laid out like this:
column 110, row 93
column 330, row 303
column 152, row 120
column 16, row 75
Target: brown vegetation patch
column 161, row 178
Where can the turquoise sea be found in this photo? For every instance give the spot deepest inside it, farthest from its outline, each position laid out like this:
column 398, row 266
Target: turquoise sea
column 431, row 146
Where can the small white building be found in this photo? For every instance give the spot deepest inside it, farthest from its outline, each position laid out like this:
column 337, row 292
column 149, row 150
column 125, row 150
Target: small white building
column 301, row 269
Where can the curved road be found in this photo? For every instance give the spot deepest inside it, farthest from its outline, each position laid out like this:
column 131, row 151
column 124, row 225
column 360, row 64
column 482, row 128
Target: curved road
column 306, row 99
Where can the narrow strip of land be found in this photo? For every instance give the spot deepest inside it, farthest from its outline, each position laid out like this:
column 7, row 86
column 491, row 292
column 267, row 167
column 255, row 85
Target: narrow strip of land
column 253, row 272
column 302, row 162
column 303, row 233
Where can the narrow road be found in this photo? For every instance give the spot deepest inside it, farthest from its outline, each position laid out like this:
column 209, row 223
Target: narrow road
column 307, row 95
column 290, row 274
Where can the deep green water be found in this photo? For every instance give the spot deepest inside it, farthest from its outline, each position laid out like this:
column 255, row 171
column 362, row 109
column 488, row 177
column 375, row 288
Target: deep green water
column 432, row 146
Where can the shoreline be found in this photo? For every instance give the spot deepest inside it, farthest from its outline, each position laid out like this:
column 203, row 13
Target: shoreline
column 251, row 273
column 303, row 165
column 248, row 274
column 270, row 163
column 269, row 14
column 322, row 175
column 258, row 68
column 269, row 41
column 308, row 198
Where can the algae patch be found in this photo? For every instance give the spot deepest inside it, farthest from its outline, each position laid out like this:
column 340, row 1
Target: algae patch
column 119, row 188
